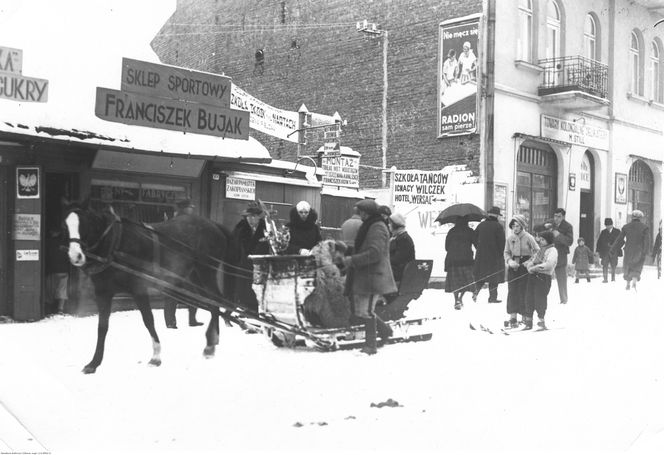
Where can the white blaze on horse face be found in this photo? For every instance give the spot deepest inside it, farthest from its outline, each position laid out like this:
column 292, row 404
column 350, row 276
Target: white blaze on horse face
column 76, row 256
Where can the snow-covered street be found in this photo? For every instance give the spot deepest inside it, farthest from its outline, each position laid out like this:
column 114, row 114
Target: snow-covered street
column 593, row 383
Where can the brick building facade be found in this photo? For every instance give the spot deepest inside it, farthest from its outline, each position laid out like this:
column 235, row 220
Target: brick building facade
column 312, row 54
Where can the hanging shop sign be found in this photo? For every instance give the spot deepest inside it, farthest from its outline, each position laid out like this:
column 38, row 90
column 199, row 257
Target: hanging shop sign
column 13, row 85
column 237, row 188
column 175, row 83
column 142, row 110
column 457, row 76
column 27, row 226
column 574, row 132
column 341, row 171
column 27, row 183
column 263, row 117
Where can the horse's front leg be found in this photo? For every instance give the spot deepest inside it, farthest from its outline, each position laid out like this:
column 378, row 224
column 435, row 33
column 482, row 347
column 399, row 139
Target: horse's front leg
column 143, row 303
column 104, row 307
column 212, row 334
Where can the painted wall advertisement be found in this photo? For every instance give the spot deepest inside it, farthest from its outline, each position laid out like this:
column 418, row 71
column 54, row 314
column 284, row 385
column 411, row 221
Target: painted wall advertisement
column 341, row 171
column 458, row 76
column 421, row 195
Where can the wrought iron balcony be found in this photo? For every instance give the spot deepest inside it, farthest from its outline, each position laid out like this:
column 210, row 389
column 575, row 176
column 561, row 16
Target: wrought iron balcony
column 575, row 73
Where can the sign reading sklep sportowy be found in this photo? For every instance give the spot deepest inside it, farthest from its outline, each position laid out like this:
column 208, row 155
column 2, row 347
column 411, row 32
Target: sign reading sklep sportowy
column 13, row 85
column 171, row 98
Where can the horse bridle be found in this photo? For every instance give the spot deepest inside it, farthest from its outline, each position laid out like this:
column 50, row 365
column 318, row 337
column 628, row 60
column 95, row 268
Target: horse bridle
column 105, row 262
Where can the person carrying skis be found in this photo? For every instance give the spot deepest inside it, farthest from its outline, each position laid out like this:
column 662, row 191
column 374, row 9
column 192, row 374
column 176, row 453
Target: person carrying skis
column 540, row 268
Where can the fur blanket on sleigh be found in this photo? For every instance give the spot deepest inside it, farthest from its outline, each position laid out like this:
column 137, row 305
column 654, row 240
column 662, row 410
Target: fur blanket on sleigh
column 327, row 306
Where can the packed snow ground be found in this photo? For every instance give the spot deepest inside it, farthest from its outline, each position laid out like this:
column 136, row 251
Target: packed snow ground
column 594, row 383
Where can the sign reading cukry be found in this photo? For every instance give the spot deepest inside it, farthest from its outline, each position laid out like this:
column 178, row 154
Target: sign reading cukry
column 175, row 83
column 458, row 76
column 142, row 110
column 13, row 85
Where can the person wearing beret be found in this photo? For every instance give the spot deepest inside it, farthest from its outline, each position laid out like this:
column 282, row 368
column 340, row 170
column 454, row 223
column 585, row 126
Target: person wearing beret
column 489, row 264
column 606, row 238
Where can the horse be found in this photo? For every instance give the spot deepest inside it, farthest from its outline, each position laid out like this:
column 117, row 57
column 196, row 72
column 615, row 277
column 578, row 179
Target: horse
column 119, row 255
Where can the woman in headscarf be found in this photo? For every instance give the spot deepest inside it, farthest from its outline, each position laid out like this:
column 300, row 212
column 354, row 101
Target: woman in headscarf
column 459, row 261
column 304, row 231
column 519, row 248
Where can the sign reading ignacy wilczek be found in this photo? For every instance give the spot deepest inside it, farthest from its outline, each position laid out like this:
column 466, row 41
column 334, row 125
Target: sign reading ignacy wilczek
column 171, row 98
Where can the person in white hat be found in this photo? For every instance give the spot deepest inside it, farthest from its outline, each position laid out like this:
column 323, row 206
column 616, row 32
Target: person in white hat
column 635, row 237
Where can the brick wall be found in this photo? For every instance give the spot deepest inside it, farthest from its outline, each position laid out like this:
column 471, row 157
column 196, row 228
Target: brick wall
column 313, row 55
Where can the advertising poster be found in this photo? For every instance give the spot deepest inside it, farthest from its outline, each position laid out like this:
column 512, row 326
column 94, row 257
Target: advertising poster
column 458, row 77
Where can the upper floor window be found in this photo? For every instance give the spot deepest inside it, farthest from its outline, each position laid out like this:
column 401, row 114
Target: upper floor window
column 525, row 40
column 590, row 38
column 553, row 29
column 655, row 70
column 635, row 65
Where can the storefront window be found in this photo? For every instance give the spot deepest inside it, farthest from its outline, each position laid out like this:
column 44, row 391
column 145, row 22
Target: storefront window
column 138, row 201
column 535, row 185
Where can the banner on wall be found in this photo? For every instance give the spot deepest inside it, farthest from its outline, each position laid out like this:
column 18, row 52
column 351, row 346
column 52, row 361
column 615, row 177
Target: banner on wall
column 458, row 76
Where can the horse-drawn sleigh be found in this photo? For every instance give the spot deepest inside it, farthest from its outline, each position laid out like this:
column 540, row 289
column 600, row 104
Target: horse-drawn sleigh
column 194, row 261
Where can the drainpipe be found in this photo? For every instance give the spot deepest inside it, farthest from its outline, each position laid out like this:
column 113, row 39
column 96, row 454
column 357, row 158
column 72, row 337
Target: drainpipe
column 384, row 132
column 610, row 91
column 489, row 79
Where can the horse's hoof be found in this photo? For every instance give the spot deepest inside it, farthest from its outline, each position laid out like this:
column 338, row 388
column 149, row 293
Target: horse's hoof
column 155, row 362
column 89, row 369
column 208, row 351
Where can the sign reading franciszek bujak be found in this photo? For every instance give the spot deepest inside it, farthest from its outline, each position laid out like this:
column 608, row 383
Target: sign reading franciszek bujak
column 458, row 76
column 13, row 85
column 574, row 132
column 166, row 97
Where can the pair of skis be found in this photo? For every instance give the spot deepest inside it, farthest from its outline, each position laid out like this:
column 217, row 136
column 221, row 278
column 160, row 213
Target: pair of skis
column 503, row 330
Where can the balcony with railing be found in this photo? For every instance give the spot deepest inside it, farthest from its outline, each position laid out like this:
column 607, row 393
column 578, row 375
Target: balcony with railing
column 575, row 80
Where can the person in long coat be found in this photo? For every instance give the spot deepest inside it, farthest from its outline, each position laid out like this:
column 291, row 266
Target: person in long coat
column 635, row 236
column 606, row 238
column 519, row 248
column 402, row 248
column 304, row 231
column 563, row 237
column 249, row 234
column 369, row 272
column 459, row 261
column 489, row 263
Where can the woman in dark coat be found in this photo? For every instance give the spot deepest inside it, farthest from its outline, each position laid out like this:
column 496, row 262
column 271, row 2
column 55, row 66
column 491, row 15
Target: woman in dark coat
column 249, row 234
column 304, row 232
column 402, row 248
column 459, row 261
column 636, row 238
column 489, row 263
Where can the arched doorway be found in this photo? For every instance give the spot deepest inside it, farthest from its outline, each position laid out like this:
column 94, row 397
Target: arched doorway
column 640, row 191
column 536, row 177
column 586, row 184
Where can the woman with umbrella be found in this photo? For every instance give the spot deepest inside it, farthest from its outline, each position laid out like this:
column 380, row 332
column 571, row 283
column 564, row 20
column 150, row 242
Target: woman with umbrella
column 459, row 260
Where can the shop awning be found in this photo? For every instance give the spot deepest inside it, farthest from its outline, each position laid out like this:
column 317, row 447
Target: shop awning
column 78, row 46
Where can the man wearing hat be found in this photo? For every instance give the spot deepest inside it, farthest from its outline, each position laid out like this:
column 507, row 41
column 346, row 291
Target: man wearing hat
column 607, row 237
column 183, row 207
column 489, row 261
column 369, row 272
column 635, row 236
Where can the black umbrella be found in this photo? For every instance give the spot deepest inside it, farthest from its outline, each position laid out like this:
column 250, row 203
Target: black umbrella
column 452, row 213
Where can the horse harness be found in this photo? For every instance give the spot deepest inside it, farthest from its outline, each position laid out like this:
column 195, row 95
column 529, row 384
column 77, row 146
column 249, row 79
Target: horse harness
column 114, row 230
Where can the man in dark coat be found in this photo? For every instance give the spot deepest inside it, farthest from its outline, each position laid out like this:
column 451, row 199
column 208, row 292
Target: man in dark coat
column 606, row 238
column 369, row 272
column 489, row 262
column 402, row 248
column 249, row 234
column 563, row 236
column 183, row 207
column 304, row 232
column 635, row 236
column 349, row 230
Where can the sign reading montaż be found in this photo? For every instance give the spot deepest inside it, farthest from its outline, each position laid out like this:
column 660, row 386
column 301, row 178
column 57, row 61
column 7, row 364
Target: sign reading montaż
column 143, row 110
column 175, row 83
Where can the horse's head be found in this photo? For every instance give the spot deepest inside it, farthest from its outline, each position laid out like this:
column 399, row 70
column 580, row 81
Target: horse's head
column 85, row 227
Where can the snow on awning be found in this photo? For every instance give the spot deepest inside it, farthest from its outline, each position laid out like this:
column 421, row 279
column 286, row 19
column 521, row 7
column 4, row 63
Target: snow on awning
column 86, row 54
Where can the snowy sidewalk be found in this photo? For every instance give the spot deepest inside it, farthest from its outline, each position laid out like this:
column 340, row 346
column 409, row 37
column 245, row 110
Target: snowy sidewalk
column 14, row 437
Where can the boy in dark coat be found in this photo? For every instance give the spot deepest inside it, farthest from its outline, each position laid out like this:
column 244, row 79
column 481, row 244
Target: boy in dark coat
column 304, row 232
column 606, row 238
column 489, row 264
column 582, row 259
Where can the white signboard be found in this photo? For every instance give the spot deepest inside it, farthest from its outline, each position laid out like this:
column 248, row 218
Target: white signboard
column 237, row 188
column 11, row 60
column 426, row 187
column 265, row 118
column 27, row 255
column 341, row 171
column 584, row 175
column 574, row 132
